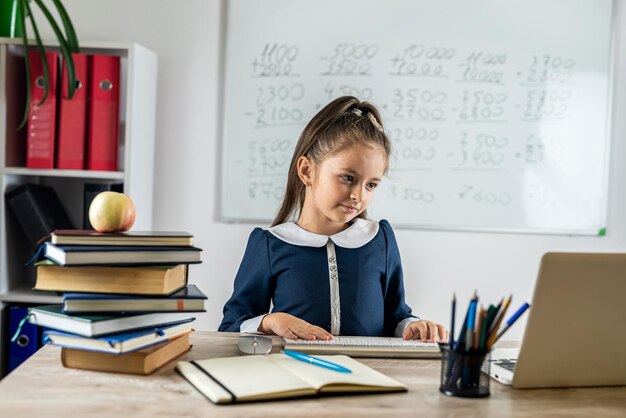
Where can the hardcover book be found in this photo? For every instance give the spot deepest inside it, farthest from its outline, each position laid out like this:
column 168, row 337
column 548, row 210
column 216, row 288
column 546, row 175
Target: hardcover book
column 118, row 343
column 52, row 316
column 135, row 280
column 144, row 361
column 129, row 238
column 85, row 255
column 276, row 376
column 188, row 299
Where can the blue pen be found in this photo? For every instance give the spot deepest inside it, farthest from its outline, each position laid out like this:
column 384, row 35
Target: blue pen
column 316, row 361
column 512, row 319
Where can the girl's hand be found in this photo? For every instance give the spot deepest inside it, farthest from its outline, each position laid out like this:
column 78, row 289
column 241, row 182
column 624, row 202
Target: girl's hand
column 289, row 326
column 427, row 331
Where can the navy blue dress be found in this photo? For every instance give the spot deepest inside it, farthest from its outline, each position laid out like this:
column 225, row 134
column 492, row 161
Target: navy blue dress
column 291, row 268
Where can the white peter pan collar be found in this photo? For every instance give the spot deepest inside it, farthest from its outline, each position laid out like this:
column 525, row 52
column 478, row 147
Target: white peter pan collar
column 356, row 235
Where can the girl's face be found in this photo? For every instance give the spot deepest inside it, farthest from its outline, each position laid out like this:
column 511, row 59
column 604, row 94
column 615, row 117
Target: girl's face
column 342, row 187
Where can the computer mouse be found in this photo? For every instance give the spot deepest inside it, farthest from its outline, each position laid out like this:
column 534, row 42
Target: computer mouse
column 254, row 344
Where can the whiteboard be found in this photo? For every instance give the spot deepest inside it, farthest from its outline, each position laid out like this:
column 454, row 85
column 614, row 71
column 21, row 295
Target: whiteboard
column 498, row 110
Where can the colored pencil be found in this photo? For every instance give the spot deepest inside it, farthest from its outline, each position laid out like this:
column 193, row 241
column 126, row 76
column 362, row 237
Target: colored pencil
column 479, row 326
column 492, row 335
column 452, row 318
column 471, row 322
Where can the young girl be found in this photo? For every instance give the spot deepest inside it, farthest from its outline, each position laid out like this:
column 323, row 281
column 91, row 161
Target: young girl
column 333, row 271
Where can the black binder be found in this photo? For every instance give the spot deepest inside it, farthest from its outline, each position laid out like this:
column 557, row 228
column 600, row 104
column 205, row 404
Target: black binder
column 38, row 211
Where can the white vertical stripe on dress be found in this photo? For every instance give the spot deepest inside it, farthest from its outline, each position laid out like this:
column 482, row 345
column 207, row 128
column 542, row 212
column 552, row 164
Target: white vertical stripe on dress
column 333, row 277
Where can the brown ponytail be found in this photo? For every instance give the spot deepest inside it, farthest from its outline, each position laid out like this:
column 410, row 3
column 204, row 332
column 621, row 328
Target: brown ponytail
column 343, row 122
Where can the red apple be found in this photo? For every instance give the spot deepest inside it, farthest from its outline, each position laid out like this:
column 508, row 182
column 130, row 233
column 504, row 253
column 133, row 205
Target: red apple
column 111, row 212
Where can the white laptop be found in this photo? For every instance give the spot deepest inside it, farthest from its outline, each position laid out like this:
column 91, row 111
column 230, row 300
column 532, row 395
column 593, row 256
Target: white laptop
column 576, row 329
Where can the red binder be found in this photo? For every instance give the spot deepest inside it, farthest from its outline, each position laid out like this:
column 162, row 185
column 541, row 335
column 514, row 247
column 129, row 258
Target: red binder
column 41, row 118
column 104, row 93
column 72, row 123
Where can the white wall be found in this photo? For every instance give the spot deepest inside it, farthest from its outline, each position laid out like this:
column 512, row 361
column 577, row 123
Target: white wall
column 186, row 34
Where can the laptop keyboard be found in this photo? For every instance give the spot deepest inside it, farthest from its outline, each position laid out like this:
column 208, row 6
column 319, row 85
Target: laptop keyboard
column 508, row 364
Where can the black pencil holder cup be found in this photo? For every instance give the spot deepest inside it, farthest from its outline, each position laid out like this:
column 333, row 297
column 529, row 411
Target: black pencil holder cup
column 464, row 374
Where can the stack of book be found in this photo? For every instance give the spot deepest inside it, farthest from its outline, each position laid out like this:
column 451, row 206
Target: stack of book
column 127, row 306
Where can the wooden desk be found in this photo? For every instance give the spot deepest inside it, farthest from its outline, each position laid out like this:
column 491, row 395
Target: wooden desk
column 42, row 387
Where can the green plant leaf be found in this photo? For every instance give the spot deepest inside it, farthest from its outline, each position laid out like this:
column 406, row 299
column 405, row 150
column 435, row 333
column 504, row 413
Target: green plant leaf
column 70, row 33
column 42, row 54
column 65, row 50
column 68, row 44
column 22, row 17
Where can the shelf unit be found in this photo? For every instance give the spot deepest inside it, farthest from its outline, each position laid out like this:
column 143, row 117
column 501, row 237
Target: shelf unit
column 135, row 168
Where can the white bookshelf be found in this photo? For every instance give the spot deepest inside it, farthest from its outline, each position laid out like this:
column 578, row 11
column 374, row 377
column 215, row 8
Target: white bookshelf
column 135, row 156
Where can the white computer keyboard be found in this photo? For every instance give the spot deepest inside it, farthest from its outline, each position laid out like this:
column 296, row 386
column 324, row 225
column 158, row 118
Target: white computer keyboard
column 382, row 347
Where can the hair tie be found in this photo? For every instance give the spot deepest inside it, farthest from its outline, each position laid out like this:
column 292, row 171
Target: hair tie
column 357, row 112
column 372, row 119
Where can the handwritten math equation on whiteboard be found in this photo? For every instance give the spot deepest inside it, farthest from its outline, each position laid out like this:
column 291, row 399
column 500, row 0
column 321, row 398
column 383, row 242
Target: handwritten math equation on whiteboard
column 483, row 137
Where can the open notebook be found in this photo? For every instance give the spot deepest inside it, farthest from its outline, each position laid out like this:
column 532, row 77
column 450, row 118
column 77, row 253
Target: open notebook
column 254, row 378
